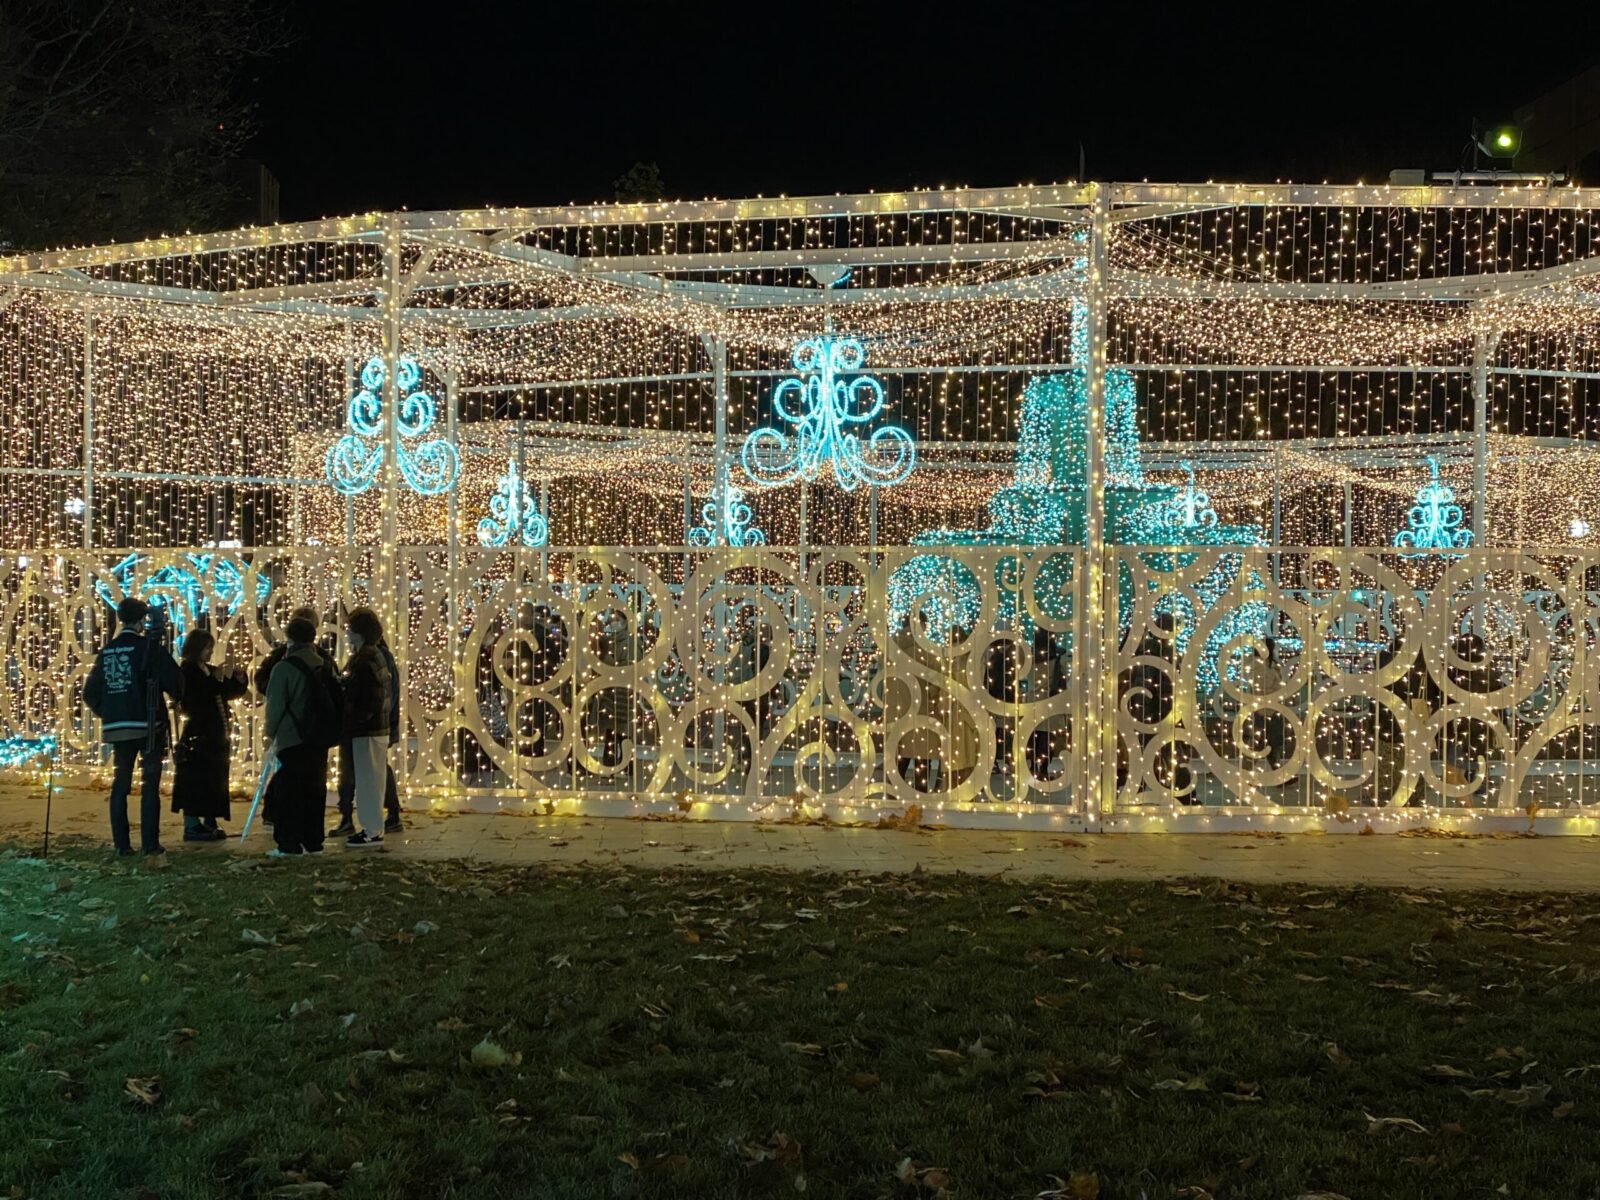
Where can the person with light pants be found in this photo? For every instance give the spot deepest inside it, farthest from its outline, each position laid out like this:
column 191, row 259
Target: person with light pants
column 367, row 685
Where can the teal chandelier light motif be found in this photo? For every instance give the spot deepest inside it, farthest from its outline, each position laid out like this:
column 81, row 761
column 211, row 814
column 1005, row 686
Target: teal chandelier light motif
column 1435, row 520
column 736, row 526
column 355, row 460
column 513, row 513
column 826, row 411
column 1191, row 508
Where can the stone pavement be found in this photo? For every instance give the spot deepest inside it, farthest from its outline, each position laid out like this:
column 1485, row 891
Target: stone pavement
column 1496, row 862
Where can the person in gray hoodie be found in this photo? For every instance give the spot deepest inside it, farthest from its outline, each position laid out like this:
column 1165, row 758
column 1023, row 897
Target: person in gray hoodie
column 304, row 708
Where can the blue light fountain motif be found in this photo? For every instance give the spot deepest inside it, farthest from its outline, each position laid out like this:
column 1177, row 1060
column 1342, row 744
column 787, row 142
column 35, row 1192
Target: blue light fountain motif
column 1435, row 520
column 1047, row 505
column 823, row 408
column 185, row 593
column 513, row 513
column 737, row 529
column 354, row 461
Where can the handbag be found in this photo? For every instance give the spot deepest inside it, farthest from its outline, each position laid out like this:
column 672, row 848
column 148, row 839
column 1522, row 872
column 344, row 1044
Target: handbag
column 185, row 750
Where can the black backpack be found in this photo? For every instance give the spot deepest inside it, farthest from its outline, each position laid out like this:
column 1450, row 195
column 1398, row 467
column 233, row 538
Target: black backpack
column 323, row 701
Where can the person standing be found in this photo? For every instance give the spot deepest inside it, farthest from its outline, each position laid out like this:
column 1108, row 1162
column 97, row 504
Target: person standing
column 269, row 802
column 367, row 688
column 304, row 707
column 125, row 690
column 347, row 773
column 200, row 758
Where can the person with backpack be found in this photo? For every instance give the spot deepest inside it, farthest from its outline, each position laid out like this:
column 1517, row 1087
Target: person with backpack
column 302, row 723
column 263, row 676
column 126, row 690
column 367, row 689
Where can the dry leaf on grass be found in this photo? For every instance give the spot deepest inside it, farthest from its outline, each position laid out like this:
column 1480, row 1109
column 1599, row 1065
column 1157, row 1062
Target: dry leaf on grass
column 1335, row 1055
column 1379, row 1124
column 1080, row 1185
column 1530, row 1095
column 253, row 938
column 144, row 1090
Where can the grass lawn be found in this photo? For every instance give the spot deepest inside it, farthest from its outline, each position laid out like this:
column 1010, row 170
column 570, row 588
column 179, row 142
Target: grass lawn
column 373, row 1027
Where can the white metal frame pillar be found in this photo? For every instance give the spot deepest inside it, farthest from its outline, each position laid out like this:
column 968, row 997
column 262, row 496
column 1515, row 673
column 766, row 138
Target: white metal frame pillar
column 88, row 431
column 1100, row 618
column 349, row 390
column 1483, row 348
column 394, row 609
column 717, row 352
column 393, row 296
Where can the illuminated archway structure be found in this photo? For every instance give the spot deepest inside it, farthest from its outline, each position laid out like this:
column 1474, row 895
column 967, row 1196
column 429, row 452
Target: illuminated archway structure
column 1135, row 419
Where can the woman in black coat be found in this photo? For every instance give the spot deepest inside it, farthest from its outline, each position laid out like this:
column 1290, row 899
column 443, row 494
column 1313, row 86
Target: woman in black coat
column 200, row 779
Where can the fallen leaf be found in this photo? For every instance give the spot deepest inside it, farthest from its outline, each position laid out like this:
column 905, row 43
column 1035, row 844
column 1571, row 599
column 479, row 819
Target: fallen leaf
column 629, row 1158
column 1335, row 1055
column 255, row 939
column 1183, row 1085
column 1379, row 1124
column 424, row 927
column 1530, row 1095
column 1080, row 1185
column 1563, row 1110
column 864, row 1081
column 450, row 1024
column 811, row 1049
column 300, row 1007
column 143, row 1089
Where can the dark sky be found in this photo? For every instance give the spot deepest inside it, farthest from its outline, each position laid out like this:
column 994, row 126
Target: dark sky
column 455, row 104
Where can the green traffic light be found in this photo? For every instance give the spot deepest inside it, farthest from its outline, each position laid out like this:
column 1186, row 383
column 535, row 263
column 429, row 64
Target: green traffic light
column 1504, row 141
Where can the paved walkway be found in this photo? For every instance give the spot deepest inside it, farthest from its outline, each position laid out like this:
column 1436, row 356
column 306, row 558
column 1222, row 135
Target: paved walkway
column 1525, row 864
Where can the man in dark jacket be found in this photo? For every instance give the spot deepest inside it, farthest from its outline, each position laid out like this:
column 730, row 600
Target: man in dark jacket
column 347, row 773
column 125, row 690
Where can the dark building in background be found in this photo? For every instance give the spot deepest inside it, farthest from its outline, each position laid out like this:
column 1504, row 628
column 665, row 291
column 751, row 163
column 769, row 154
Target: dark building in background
column 1561, row 129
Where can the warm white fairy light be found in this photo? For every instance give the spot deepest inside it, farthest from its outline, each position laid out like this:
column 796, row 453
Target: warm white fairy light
column 1301, row 410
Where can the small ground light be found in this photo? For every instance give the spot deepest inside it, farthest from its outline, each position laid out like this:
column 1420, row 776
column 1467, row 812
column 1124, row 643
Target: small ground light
column 1578, row 528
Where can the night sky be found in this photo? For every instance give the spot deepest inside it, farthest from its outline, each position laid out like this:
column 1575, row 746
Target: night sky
column 460, row 104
